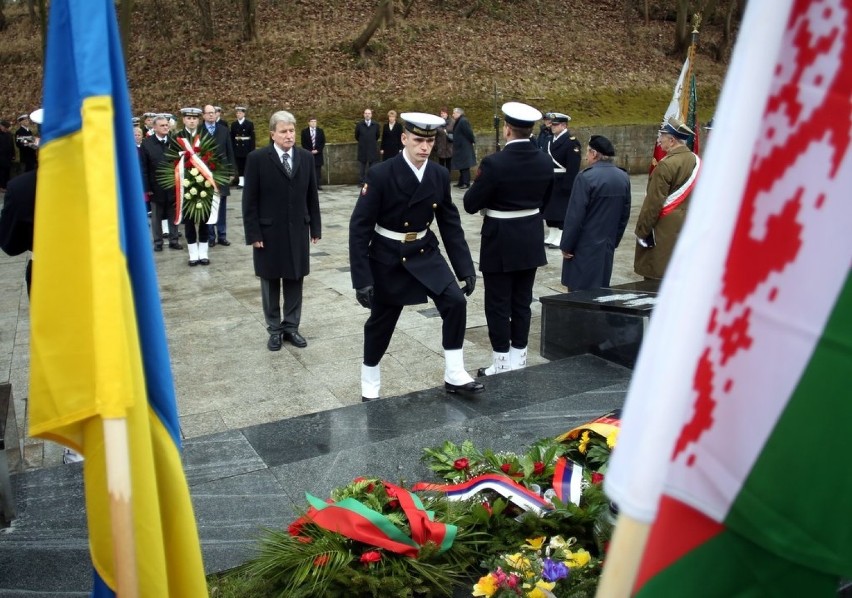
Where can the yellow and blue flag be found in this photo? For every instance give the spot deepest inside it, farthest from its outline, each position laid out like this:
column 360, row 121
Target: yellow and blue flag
column 98, row 346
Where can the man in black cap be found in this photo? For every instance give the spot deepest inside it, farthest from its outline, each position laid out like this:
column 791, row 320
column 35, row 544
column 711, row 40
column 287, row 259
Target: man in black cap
column 666, row 201
column 25, row 140
column 564, row 151
column 395, row 258
column 597, row 216
column 510, row 189
column 243, row 139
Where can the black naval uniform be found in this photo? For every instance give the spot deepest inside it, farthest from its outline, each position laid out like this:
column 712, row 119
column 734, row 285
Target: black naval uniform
column 243, row 140
column 26, row 152
column 511, row 186
column 407, row 272
column 566, row 155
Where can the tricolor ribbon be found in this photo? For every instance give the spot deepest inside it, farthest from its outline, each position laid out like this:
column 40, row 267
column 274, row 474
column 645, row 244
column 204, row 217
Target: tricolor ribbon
column 501, row 484
column 189, row 150
column 568, row 480
column 356, row 521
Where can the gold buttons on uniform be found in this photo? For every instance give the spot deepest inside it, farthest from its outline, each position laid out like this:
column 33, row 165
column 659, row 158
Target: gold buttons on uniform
column 421, row 251
column 406, row 224
column 403, row 260
column 434, row 206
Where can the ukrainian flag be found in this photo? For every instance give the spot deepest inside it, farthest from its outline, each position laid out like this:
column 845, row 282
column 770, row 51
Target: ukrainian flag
column 98, row 347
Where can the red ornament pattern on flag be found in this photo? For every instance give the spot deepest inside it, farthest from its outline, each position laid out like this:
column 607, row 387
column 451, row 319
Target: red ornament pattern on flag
column 767, row 237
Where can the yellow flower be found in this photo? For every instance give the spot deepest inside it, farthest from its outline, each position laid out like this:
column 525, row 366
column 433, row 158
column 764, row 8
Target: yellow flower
column 584, row 442
column 540, row 588
column 536, row 543
column 578, row 558
column 487, row 586
column 612, row 438
column 518, row 561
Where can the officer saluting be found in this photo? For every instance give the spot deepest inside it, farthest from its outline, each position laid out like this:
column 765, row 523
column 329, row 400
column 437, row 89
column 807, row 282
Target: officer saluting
column 510, row 188
column 395, row 258
column 564, row 150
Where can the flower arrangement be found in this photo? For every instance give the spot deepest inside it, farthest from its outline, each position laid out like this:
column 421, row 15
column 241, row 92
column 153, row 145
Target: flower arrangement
column 194, row 168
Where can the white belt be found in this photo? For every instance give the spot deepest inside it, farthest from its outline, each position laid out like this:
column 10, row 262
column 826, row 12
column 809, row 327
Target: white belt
column 404, row 237
column 558, row 170
column 242, row 138
column 510, row 214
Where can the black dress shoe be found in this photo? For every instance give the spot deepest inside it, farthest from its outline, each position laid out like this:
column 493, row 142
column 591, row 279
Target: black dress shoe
column 295, row 339
column 158, row 247
column 175, row 245
column 193, row 262
column 204, row 261
column 366, row 400
column 471, row 388
column 464, row 186
column 274, row 342
column 212, row 242
column 224, row 242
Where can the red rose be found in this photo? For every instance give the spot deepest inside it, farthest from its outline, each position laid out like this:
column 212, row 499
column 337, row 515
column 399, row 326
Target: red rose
column 393, row 503
column 462, row 463
column 487, row 506
column 295, row 528
column 538, row 468
column 597, row 478
column 321, row 560
column 372, row 556
column 506, row 467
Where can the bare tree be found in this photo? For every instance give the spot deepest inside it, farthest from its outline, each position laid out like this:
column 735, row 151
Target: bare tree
column 125, row 18
column 248, row 10
column 2, row 15
column 360, row 44
column 205, row 17
column 389, row 18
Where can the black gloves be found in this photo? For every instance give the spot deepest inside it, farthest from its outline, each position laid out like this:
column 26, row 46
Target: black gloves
column 469, row 285
column 364, row 296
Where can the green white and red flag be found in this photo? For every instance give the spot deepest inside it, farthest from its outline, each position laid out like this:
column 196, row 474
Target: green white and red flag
column 735, row 438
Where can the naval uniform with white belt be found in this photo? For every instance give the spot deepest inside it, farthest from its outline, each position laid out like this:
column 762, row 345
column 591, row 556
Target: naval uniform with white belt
column 510, row 190
column 395, row 258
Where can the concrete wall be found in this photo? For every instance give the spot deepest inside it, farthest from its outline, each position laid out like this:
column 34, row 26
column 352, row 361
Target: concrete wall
column 634, row 146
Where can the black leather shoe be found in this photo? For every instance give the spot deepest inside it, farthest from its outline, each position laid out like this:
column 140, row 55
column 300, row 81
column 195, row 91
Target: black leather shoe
column 366, row 400
column 158, row 247
column 193, row 262
column 481, row 372
column 274, row 342
column 224, row 242
column 175, row 245
column 471, row 388
column 212, row 242
column 295, row 339
column 204, row 261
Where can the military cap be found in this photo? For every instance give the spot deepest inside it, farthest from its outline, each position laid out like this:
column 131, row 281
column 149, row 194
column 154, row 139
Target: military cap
column 520, row 115
column 134, row 120
column 37, row 116
column 240, row 109
column 709, row 125
column 190, row 111
column 149, row 115
column 677, row 129
column 23, row 117
column 558, row 117
column 602, row 145
column 422, row 124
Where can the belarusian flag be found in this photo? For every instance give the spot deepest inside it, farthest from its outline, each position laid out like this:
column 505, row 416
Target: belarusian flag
column 735, row 436
column 674, row 108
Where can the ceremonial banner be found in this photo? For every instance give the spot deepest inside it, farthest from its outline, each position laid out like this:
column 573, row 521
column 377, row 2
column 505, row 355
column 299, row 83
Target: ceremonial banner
column 722, row 443
column 98, row 347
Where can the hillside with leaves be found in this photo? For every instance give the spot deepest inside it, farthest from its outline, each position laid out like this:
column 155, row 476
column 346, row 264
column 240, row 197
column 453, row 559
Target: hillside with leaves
column 599, row 62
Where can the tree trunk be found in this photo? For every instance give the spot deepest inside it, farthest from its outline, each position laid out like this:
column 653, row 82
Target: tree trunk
column 647, row 13
column 2, row 16
column 682, row 31
column 406, row 8
column 42, row 23
column 31, row 11
column 390, row 21
column 248, row 9
column 473, row 9
column 360, row 44
column 628, row 21
column 205, row 17
column 125, row 17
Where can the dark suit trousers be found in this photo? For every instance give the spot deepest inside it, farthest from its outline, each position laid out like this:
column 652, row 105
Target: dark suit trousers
column 362, row 172
column 241, row 165
column 508, row 296
column 193, row 235
column 464, row 177
column 270, row 292
column 379, row 327
column 160, row 212
column 220, row 227
column 318, row 168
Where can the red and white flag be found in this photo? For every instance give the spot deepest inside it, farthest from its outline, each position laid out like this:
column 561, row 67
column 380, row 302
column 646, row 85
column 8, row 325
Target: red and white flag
column 735, row 436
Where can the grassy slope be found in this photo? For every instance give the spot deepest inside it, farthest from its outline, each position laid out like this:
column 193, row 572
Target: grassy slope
column 583, row 62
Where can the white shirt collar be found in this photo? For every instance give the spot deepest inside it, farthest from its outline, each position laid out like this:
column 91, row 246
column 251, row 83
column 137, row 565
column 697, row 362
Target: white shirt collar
column 561, row 133
column 515, row 141
column 418, row 172
column 281, row 152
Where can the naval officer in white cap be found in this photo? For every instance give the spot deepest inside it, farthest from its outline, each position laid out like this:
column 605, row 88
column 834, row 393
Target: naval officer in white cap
column 395, row 257
column 510, row 190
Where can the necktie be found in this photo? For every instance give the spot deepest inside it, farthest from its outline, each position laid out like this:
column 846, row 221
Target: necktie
column 285, row 160
column 313, row 137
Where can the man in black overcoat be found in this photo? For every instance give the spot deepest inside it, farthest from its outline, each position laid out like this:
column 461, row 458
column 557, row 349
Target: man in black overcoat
column 564, row 151
column 313, row 140
column 395, row 258
column 281, row 217
column 243, row 139
column 222, row 135
column 7, row 153
column 162, row 201
column 367, row 135
column 510, row 189
column 25, row 140
column 597, row 216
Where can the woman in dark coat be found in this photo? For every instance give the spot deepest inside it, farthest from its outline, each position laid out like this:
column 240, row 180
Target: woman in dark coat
column 464, row 154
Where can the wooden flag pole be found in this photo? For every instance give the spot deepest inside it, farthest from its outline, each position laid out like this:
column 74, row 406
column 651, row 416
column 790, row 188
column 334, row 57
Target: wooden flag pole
column 623, row 558
column 121, row 506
